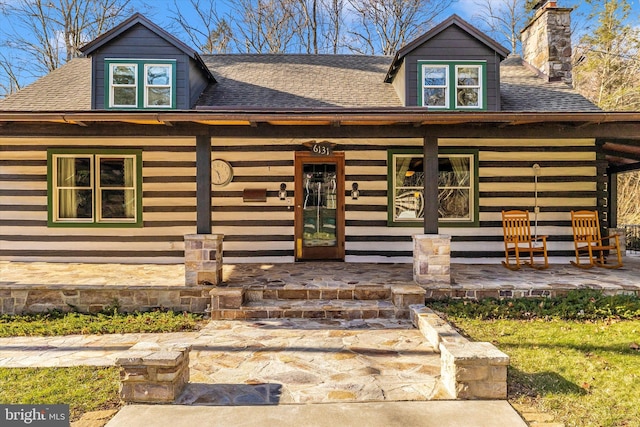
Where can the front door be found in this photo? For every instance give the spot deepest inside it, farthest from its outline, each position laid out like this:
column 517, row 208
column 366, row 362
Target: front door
column 319, row 201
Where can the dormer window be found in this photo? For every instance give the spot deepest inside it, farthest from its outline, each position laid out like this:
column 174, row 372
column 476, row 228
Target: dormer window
column 452, row 85
column 140, row 84
column 157, row 84
column 435, row 85
column 123, row 80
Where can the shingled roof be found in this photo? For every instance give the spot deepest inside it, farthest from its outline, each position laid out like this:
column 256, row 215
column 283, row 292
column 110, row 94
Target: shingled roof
column 277, row 81
column 521, row 89
column 67, row 88
column 299, row 81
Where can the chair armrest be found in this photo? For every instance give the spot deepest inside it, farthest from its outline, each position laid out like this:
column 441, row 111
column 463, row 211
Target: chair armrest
column 540, row 238
column 612, row 236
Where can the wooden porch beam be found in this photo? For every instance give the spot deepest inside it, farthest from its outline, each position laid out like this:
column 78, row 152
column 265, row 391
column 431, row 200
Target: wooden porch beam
column 430, row 165
column 203, row 184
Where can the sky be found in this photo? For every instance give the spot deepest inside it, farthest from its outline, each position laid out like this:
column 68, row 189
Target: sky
column 464, row 8
column 160, row 14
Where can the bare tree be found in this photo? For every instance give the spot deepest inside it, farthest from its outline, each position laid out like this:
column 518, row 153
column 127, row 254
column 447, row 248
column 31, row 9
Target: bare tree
column 204, row 28
column 384, row 26
column 50, row 32
column 333, row 29
column 502, row 19
column 264, row 26
column 628, row 195
column 12, row 83
column 308, row 24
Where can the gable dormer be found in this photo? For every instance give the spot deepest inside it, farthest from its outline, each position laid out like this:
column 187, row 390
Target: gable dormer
column 452, row 67
column 137, row 65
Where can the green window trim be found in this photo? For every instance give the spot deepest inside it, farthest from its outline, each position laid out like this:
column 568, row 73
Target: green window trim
column 140, row 88
column 452, row 87
column 93, row 187
column 392, row 155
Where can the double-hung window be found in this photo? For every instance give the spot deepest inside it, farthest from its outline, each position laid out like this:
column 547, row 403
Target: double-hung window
column 452, row 86
column 123, row 85
column 435, row 80
column 457, row 188
column 140, row 84
column 97, row 188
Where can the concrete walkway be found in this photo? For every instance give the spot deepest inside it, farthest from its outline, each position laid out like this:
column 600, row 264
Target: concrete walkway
column 374, row 414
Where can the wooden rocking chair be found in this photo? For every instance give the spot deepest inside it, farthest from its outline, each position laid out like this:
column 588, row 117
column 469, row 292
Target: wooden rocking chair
column 587, row 241
column 518, row 241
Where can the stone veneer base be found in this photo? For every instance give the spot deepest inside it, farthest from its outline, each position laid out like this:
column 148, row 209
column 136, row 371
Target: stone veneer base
column 203, row 259
column 431, row 259
column 88, row 299
column 151, row 374
column 469, row 370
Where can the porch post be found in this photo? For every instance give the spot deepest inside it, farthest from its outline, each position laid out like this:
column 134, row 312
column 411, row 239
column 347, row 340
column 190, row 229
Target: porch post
column 431, row 251
column 203, row 184
column 430, row 163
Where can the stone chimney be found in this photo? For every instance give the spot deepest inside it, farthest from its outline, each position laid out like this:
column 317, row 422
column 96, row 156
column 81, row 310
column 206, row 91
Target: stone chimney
column 546, row 41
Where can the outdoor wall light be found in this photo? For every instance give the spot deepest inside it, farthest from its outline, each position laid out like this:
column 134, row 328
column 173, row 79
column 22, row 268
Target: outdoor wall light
column 355, row 193
column 282, row 194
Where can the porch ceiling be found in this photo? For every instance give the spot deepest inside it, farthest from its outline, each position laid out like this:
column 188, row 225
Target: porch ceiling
column 619, row 132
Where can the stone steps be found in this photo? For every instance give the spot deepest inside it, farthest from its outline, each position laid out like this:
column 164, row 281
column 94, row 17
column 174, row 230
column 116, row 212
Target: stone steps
column 361, row 301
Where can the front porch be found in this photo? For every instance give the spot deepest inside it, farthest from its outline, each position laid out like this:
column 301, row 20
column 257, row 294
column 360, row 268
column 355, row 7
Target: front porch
column 39, row 287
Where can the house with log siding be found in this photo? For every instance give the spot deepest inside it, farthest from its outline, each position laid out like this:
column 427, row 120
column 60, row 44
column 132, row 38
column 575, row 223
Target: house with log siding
column 118, row 155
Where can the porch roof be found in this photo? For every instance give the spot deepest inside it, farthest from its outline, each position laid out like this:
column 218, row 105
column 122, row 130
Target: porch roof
column 618, row 132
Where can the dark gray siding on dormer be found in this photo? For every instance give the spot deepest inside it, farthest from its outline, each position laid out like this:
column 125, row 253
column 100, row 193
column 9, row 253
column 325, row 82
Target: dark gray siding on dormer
column 198, row 82
column 141, row 43
column 454, row 44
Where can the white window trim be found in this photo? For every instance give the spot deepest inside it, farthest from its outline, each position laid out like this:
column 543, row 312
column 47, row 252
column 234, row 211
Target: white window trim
column 112, row 85
column 478, row 86
column 147, row 86
column 446, row 86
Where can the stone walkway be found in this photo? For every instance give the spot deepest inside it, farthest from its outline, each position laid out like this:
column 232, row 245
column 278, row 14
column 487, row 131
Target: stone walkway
column 269, row 362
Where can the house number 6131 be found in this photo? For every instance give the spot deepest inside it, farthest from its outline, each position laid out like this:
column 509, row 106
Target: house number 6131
column 321, row 149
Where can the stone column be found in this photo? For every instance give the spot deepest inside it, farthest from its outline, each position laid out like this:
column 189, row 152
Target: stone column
column 203, row 259
column 150, row 374
column 432, row 259
column 474, row 370
column 622, row 238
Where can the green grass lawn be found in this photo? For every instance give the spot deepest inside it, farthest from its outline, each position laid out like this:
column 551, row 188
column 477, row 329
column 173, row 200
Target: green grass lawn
column 83, row 388
column 583, row 373
column 57, row 323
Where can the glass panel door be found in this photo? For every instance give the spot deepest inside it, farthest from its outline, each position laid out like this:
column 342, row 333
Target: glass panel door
column 319, row 207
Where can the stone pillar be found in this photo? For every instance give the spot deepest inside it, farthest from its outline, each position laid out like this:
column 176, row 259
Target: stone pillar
column 150, row 374
column 432, row 259
column 474, row 370
column 622, row 238
column 203, row 259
